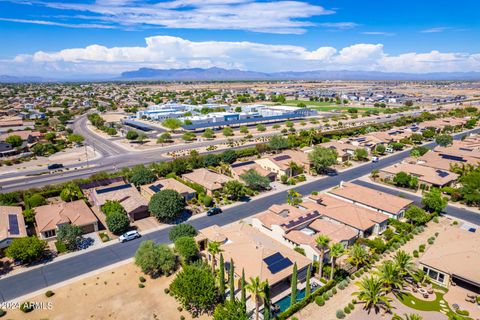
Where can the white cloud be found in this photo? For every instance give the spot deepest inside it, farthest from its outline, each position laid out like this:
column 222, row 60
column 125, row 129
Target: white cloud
column 378, row 33
column 166, row 52
column 435, row 30
column 285, row 16
column 60, row 24
column 339, row 25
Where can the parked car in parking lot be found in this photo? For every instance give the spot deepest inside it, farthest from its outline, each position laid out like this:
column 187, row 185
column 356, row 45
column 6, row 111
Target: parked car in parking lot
column 214, row 211
column 129, row 235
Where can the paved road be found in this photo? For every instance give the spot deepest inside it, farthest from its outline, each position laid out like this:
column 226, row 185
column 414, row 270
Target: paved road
column 452, row 211
column 56, row 272
column 115, row 157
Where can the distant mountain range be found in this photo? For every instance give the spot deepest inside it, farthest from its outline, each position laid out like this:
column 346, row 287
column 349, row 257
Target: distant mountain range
column 220, row 74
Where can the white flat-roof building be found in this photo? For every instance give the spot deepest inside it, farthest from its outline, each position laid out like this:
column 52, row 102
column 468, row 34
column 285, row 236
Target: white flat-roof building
column 164, row 111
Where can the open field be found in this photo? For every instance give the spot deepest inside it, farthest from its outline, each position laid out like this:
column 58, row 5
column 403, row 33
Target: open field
column 328, row 106
column 112, row 294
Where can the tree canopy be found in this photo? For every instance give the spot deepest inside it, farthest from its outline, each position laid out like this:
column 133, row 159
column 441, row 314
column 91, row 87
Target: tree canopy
column 470, row 189
column 182, row 230
column 255, row 181
column 172, row 124
column 155, row 259
column 416, row 215
column 14, row 140
column 230, row 310
column 187, row 248
column 117, row 222
column 444, row 140
column 277, row 143
column 141, row 175
column 322, row 158
column 234, row 190
column 69, row 235
column 166, row 205
column 195, row 288
column 132, row 135
column 434, row 201
column 26, row 249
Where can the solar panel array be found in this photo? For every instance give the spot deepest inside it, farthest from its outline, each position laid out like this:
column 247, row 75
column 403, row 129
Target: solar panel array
column 241, row 164
column 277, row 262
column 442, row 173
column 465, row 149
column 302, row 219
column 453, row 158
column 156, row 187
column 282, row 157
column 13, row 224
column 120, row 187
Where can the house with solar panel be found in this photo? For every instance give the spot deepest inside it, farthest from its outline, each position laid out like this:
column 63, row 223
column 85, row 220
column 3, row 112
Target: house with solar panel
column 426, row 175
column 126, row 194
column 280, row 164
column 148, row 190
column 256, row 254
column 12, row 225
column 240, row 168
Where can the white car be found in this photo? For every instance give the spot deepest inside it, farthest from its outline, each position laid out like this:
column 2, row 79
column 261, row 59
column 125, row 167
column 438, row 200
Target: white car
column 130, row 235
column 374, row 159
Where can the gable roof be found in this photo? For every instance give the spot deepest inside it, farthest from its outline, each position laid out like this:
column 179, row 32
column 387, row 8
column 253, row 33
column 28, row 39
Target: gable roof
column 427, row 174
column 167, row 184
column 207, row 178
column 125, row 193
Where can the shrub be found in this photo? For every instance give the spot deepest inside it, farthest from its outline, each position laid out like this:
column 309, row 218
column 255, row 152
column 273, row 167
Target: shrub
column 341, row 286
column 320, row 301
column 463, row 313
column 166, row 290
column 340, row 314
column 180, row 309
column 352, row 276
column 430, row 241
column 334, row 290
column 415, row 253
column 330, row 293
column 181, row 230
column 142, row 279
column 347, row 310
column 2, row 313
column 49, row 293
column 351, row 306
column 26, row 307
column 141, row 285
column 182, row 317
column 323, row 280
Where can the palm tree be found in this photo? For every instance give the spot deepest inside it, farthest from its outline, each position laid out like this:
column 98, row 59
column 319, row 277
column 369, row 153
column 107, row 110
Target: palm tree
column 404, row 263
column 373, row 294
column 256, row 287
column 293, row 166
column 411, row 316
column 358, row 255
column 322, row 243
column 390, row 275
column 336, row 250
column 214, row 249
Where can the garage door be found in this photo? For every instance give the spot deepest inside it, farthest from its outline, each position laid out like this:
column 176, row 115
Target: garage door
column 88, row 228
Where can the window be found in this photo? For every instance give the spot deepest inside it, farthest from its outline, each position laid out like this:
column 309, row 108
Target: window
column 49, row 233
column 441, row 277
column 433, row 274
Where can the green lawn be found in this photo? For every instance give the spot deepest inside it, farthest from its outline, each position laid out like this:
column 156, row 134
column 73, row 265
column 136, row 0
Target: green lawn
column 413, row 302
column 327, row 106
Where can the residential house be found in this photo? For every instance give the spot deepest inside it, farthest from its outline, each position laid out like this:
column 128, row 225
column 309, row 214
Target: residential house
column 365, row 221
column 208, row 179
column 345, row 151
column 12, row 225
column 240, row 168
column 280, row 163
column 50, row 217
column 126, row 194
column 443, row 161
column 454, row 259
column 167, row 184
column 426, row 175
column 385, row 203
column 256, row 254
column 297, row 227
column 28, row 136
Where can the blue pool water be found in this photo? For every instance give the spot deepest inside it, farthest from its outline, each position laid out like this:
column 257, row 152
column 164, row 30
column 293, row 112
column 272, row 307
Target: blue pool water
column 284, row 303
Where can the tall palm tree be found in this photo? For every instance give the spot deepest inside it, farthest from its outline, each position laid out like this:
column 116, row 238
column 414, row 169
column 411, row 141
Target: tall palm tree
column 358, row 255
column 336, row 250
column 322, row 243
column 256, row 287
column 214, row 249
column 373, row 293
column 404, row 263
column 390, row 276
column 412, row 316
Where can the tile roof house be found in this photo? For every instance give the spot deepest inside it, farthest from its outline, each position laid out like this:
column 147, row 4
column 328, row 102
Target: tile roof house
column 426, row 175
column 296, row 227
column 280, row 163
column 443, row 160
column 26, row 135
column 12, row 225
column 454, row 257
column 345, row 151
column 208, row 179
column 240, row 168
column 131, row 200
column 49, row 218
column 439, row 124
column 363, row 220
column 255, row 253
column 385, row 203
column 167, row 184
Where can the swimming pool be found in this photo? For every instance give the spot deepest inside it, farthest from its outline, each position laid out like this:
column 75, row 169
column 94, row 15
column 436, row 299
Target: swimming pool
column 284, row 303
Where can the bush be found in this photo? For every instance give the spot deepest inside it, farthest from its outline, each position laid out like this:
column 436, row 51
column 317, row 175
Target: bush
column 347, row 310
column 117, row 222
column 320, row 301
column 49, row 293
column 430, row 241
column 166, row 205
column 340, row 314
column 2, row 313
column 351, row 306
column 334, row 290
column 182, row 230
column 166, row 290
column 142, row 279
column 182, row 317
column 415, row 253
column 463, row 313
column 26, row 307
column 141, row 285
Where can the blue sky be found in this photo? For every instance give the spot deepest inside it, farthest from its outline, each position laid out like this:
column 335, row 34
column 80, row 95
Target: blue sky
column 110, row 36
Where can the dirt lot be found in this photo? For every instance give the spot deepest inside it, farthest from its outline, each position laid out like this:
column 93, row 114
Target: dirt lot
column 112, row 294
